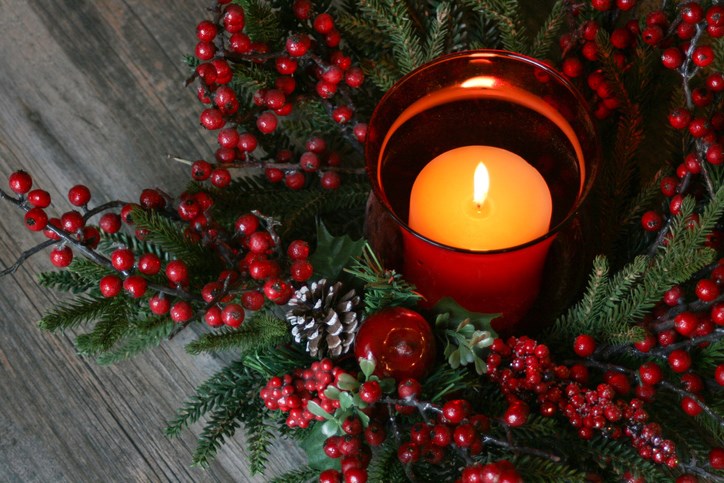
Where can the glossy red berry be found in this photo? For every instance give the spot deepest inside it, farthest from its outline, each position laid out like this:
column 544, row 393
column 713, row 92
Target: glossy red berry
column 330, row 180
column 650, row 373
column 516, row 415
column 159, row 304
column 212, row 119
column 330, row 476
column 298, row 44
column 294, row 180
column 122, row 259
column 370, row 392
column 135, row 285
column 72, row 221
column 690, row 406
column 36, row 219
column 61, row 257
column 652, row 221
column 464, row 435
column 408, row 453
column 685, row 323
column 110, row 285
column 39, row 198
column 20, row 182
column 672, row 58
column 233, row 315
column 266, row 122
column 177, row 271
column 301, row 270
column 716, row 458
column 278, row 291
column 149, row 264
column 601, row 5
column 679, row 360
column 355, row 475
column 181, row 312
column 703, row 55
column 707, row 290
column 584, row 345
column 409, row 388
column 455, row 411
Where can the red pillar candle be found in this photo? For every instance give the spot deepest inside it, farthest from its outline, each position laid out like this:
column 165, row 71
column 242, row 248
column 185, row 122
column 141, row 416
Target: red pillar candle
column 425, row 140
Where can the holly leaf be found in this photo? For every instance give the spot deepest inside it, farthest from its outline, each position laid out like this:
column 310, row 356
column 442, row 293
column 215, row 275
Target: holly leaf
column 333, row 253
column 317, row 410
column 367, row 366
column 451, row 315
column 313, row 445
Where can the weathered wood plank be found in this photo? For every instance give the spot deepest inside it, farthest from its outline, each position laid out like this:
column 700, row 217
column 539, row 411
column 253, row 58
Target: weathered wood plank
column 92, row 93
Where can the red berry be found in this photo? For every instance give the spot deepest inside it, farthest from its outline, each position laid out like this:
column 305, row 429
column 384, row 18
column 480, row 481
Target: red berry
column 260, row 242
column 679, row 360
column 61, row 256
column 206, row 31
column 326, row 89
column 408, row 453
column 294, row 180
column 354, row 77
column 135, row 285
column 342, row 114
column 330, row 476
column 278, row 291
column 370, row 392
column 716, row 458
column 652, row 35
column 233, row 315
column 323, row 23
column 212, row 317
column 650, row 373
column 355, row 475
column 247, row 142
column 516, row 415
column 177, row 271
column 680, row 118
column 201, row 170
column 159, row 304
column 266, row 122
column 374, row 434
column 672, row 58
column 719, row 374
column 707, row 290
column 298, row 44
column 309, row 162
column 122, row 259
column 72, row 221
column 39, row 198
column 584, row 345
column 601, row 5
column 36, row 219
column 409, row 388
column 149, row 264
column 690, row 406
column 233, row 18
column 703, row 55
column 685, row 323
column 464, row 435
column 110, row 286
column 455, row 411
column 652, row 221
column 20, row 182
column 181, row 312
column 212, row 119
column 301, row 270
column 298, row 250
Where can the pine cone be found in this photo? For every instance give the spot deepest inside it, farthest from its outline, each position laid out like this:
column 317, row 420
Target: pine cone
column 325, row 318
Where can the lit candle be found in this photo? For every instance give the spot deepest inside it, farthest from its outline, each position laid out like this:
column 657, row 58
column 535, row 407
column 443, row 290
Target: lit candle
column 480, row 198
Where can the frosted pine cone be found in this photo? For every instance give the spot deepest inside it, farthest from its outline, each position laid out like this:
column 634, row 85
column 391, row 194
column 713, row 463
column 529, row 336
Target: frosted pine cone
column 325, row 318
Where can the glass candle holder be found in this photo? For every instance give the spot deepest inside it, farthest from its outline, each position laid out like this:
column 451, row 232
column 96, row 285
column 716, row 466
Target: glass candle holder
column 483, row 98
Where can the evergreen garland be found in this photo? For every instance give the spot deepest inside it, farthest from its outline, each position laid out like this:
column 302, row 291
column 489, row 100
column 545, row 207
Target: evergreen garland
column 226, row 277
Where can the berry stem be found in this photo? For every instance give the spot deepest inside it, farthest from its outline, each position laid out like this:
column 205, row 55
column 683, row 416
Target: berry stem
column 25, row 255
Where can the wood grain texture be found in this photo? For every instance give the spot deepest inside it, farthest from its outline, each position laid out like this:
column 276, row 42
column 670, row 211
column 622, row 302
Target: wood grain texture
column 92, row 92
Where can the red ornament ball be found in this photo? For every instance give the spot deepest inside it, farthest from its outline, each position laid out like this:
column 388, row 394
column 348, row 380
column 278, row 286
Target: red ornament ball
column 401, row 342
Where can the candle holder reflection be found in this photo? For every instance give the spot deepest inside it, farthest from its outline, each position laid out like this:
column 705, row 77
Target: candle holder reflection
column 502, row 102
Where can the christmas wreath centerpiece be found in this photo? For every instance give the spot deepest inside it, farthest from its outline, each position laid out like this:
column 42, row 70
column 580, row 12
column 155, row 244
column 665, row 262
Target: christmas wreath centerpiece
column 277, row 253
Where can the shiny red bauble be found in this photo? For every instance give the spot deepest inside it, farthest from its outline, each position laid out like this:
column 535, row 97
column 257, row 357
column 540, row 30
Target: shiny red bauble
column 401, row 342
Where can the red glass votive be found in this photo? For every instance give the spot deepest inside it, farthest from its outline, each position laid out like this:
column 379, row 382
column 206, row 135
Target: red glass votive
column 489, row 98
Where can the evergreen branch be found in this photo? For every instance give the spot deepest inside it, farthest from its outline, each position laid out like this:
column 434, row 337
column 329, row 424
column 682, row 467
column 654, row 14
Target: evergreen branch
column 533, row 469
column 110, row 242
column 209, row 395
column 505, row 13
column 76, row 312
column 109, row 328
column 66, row 281
column 263, row 331
column 384, row 462
column 258, row 437
column 89, row 270
column 138, row 339
column 169, row 235
column 382, row 288
column 261, row 22
column 549, row 31
column 222, row 424
column 383, row 74
column 304, row 474
column 438, row 32
column 394, row 19
column 249, row 78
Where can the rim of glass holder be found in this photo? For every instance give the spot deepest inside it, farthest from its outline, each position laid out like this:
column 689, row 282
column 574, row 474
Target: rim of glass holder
column 590, row 163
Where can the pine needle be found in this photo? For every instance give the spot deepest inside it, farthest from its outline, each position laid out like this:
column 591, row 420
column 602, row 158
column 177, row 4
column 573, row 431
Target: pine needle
column 263, row 331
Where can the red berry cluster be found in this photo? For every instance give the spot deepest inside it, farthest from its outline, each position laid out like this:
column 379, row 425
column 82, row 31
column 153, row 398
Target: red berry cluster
column 290, row 393
column 525, row 373
column 309, row 63
column 501, row 471
column 254, row 267
column 71, row 224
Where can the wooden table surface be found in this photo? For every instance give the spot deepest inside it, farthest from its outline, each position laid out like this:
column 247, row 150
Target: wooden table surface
column 92, row 92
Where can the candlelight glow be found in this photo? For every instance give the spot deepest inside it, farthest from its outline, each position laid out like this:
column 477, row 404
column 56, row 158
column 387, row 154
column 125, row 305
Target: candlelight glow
column 481, row 184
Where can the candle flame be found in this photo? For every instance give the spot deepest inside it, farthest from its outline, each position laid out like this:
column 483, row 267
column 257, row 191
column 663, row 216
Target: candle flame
column 481, row 184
